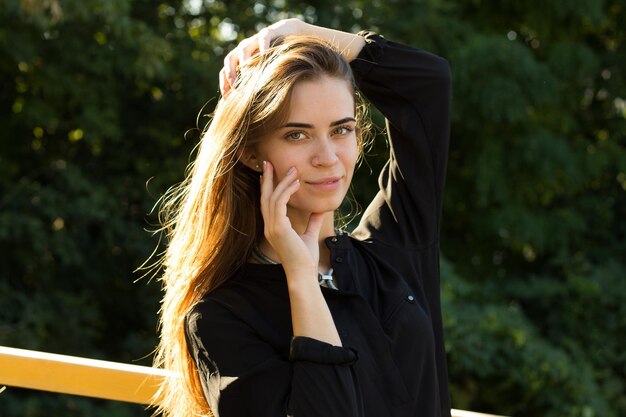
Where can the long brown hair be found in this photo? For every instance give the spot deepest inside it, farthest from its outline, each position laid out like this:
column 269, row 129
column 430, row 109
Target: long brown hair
column 212, row 219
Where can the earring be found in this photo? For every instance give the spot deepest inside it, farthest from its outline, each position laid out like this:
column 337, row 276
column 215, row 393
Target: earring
column 257, row 166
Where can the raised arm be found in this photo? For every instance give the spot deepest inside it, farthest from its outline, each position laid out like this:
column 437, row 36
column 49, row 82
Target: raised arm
column 349, row 44
column 412, row 88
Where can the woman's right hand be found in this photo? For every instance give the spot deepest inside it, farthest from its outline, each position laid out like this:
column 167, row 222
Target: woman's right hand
column 257, row 43
column 347, row 43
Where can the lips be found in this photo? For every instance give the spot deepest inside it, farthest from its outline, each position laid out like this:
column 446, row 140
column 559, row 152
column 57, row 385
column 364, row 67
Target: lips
column 326, row 180
column 326, row 183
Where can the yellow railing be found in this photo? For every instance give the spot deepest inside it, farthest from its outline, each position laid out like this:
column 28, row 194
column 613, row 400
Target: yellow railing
column 79, row 376
column 91, row 377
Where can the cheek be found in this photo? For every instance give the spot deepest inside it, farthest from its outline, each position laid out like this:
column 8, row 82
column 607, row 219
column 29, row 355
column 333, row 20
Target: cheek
column 281, row 164
column 351, row 156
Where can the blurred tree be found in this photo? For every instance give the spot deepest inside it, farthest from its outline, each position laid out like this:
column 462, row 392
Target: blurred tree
column 535, row 208
column 98, row 97
column 96, row 100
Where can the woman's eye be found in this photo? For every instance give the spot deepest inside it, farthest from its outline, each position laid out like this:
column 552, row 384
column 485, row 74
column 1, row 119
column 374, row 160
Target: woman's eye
column 295, row 136
column 343, row 130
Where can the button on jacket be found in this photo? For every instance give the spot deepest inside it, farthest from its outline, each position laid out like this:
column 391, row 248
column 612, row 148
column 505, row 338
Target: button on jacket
column 386, row 309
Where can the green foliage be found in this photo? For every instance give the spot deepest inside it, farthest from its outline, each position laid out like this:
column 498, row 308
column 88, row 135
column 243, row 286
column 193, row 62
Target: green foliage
column 99, row 106
column 509, row 360
column 97, row 102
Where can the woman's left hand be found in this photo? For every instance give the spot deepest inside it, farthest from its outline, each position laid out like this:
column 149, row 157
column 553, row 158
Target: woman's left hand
column 298, row 253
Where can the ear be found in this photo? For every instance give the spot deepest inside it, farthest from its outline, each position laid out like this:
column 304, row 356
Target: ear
column 249, row 158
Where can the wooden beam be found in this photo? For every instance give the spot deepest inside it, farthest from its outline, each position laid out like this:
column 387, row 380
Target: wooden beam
column 79, row 376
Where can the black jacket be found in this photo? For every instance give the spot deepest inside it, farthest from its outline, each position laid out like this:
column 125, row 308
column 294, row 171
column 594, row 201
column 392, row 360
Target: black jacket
column 387, row 308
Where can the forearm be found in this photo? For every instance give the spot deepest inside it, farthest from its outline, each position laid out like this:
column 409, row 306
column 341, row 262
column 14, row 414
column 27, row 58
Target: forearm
column 310, row 315
column 348, row 44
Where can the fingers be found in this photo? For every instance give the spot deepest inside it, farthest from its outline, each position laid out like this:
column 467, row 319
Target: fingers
column 264, row 38
column 228, row 74
column 258, row 43
column 224, row 83
column 240, row 56
column 315, row 225
column 281, row 191
column 247, row 48
column 267, row 181
column 274, row 199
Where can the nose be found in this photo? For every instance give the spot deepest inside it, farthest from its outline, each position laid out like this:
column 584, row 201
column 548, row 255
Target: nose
column 325, row 153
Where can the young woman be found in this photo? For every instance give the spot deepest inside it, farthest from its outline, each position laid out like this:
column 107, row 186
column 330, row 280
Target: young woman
column 268, row 309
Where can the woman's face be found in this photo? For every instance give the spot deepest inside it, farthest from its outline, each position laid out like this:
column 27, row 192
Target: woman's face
column 319, row 139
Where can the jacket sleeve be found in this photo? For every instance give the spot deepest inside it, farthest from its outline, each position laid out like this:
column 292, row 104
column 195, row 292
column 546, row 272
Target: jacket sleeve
column 243, row 375
column 412, row 89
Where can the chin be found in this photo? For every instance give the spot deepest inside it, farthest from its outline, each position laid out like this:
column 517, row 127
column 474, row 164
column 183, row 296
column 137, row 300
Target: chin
column 321, row 207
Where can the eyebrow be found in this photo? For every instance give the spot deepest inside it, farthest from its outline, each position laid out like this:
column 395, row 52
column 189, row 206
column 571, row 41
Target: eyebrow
column 310, row 126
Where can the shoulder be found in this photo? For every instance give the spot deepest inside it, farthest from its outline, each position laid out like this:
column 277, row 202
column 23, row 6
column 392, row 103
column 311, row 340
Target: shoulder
column 215, row 308
column 206, row 317
column 215, row 328
column 239, row 290
column 254, row 301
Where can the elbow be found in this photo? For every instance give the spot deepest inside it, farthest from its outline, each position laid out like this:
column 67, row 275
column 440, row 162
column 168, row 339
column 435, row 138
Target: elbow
column 441, row 78
column 443, row 72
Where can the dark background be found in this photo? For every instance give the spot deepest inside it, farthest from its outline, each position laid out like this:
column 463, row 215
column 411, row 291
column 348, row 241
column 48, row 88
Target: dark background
column 99, row 107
